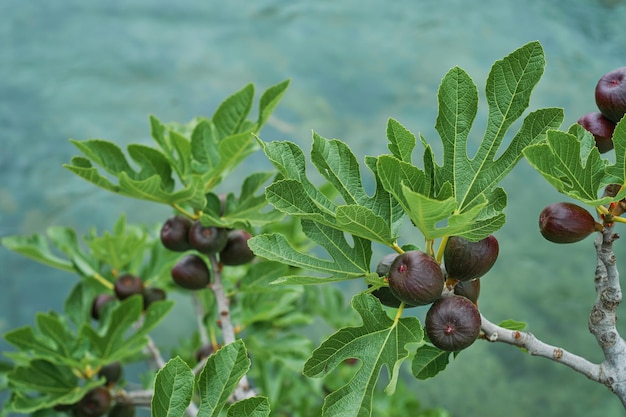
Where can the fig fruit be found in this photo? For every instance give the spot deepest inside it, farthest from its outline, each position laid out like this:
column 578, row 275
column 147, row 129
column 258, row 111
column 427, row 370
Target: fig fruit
column 94, row 404
column 127, row 285
column 207, row 239
column 122, row 410
column 237, row 251
column 191, row 272
column 111, row 372
column 98, row 304
column 465, row 260
column 468, row 289
column 452, row 323
column 175, row 233
column 152, row 294
column 565, row 222
column 601, row 128
column 611, row 94
column 416, row 278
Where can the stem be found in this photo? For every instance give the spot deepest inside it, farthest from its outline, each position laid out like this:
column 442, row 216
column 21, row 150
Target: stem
column 442, row 247
column 185, row 212
column 102, row 280
column 618, row 219
column 152, row 348
column 397, row 248
column 204, row 338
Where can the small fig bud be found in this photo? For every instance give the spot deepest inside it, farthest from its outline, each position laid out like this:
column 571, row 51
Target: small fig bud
column 207, row 239
column 416, row 278
column 465, row 260
column 175, row 233
column 468, row 289
column 127, row 285
column 191, row 273
column 452, row 323
column 236, row 251
column 566, row 223
column 94, row 404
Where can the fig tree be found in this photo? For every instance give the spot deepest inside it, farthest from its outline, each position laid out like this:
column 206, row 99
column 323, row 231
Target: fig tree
column 465, row 260
column 191, row 272
column 565, row 222
column 237, row 251
column 416, row 278
column 207, row 239
column 452, row 323
column 127, row 285
column 175, row 233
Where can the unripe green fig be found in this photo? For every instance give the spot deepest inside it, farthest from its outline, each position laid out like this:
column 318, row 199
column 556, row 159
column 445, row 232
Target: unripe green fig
column 191, row 273
column 207, row 239
column 175, row 233
column 152, row 294
column 416, row 278
column 111, row 372
column 465, row 260
column 468, row 289
column 127, row 285
column 122, row 410
column 94, row 404
column 565, row 222
column 452, row 323
column 98, row 304
column 237, row 251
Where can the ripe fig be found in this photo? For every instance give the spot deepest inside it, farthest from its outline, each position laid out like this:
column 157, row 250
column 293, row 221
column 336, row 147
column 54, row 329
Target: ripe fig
column 111, row 372
column 207, row 239
column 127, row 285
column 122, row 410
column 468, row 289
column 416, row 278
column 601, row 128
column 611, row 94
column 98, row 304
column 452, row 323
column 565, row 222
column 152, row 294
column 236, row 251
column 94, row 404
column 465, row 260
column 175, row 233
column 191, row 272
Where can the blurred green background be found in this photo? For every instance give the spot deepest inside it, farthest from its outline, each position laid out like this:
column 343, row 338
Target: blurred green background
column 96, row 69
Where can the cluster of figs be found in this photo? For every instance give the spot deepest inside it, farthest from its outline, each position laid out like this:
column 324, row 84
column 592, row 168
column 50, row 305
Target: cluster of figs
column 416, row 279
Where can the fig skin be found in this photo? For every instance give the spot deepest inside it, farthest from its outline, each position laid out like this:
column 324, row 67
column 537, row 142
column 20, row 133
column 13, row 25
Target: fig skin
column 468, row 289
column 565, row 222
column 191, row 272
column 237, row 252
column 465, row 260
column 207, row 239
column 601, row 128
column 384, row 294
column 416, row 278
column 94, row 404
column 610, row 94
column 127, row 285
column 452, row 323
column 175, row 233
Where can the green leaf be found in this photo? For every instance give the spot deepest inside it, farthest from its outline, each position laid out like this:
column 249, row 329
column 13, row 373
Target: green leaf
column 220, row 377
column 512, row 324
column 616, row 173
column 378, row 341
column 36, row 247
column 401, row 141
column 429, row 361
column 173, row 388
column 250, row 407
column 233, row 111
column 268, row 102
column 570, row 165
column 42, row 384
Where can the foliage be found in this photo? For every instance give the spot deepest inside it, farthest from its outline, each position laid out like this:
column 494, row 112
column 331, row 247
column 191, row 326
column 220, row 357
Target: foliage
column 312, row 234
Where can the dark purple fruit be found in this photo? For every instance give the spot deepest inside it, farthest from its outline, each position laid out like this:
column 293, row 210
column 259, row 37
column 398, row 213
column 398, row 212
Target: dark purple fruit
column 111, row 372
column 207, row 239
column 122, row 410
column 611, row 94
column 468, row 289
column 94, row 404
column 452, row 323
column 465, row 260
column 127, row 285
column 237, row 251
column 566, row 223
column 204, row 352
column 98, row 304
column 175, row 233
column 191, row 273
column 386, row 297
column 601, row 128
column 416, row 278
column 152, row 294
